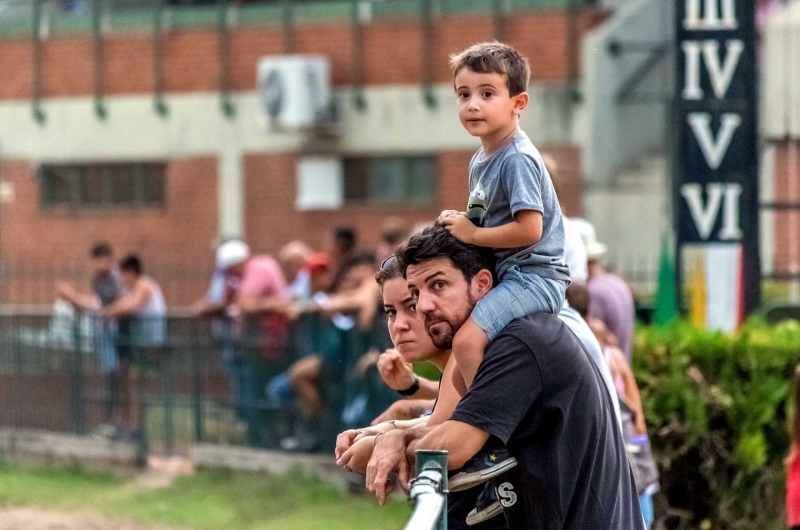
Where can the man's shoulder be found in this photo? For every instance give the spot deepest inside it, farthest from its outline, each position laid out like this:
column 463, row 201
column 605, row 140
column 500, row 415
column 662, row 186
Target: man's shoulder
column 537, row 324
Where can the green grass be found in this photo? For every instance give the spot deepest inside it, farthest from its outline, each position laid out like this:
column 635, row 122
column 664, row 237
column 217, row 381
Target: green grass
column 210, row 499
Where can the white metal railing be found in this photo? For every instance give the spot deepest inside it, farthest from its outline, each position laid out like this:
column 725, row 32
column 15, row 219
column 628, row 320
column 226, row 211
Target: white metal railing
column 429, row 492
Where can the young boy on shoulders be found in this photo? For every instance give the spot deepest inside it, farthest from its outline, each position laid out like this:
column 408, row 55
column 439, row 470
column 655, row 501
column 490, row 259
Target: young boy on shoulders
column 512, row 205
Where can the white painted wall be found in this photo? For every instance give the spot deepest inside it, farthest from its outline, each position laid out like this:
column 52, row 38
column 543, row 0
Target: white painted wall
column 780, row 94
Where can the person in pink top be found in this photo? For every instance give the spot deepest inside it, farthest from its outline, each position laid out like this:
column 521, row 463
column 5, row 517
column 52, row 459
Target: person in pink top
column 258, row 298
column 793, row 461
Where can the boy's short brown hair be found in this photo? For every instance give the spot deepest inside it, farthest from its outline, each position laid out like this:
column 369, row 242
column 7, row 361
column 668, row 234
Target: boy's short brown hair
column 495, row 58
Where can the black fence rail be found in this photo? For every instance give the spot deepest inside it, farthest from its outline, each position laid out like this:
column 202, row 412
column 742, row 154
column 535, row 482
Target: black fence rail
column 169, row 382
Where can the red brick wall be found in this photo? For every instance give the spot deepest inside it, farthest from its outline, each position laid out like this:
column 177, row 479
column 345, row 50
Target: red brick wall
column 787, row 189
column 42, row 246
column 270, row 191
column 174, row 242
column 392, row 54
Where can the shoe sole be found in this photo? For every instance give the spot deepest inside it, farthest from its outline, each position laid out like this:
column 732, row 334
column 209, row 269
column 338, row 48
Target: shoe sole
column 471, row 480
column 476, row 517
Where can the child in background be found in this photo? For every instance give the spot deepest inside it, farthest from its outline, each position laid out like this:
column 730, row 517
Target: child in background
column 793, row 461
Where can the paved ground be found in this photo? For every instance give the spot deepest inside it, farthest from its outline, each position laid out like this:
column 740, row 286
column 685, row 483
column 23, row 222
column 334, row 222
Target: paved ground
column 33, row 519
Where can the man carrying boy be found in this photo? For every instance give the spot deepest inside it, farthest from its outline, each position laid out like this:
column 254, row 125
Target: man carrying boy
column 512, row 209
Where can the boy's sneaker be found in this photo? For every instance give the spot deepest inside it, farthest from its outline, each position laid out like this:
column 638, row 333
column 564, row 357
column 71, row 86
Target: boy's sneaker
column 488, row 506
column 482, row 467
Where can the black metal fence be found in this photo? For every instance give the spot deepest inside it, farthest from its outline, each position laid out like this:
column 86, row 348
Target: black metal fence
column 166, row 383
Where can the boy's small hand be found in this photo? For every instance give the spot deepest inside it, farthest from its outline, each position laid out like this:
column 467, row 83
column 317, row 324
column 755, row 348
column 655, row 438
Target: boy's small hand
column 448, row 213
column 461, row 227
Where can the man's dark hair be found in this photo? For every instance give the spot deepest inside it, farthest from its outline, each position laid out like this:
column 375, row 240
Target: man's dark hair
column 345, row 238
column 101, row 249
column 131, row 263
column 436, row 242
column 579, row 299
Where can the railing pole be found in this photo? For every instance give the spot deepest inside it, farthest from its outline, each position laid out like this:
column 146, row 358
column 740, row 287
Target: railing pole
column 435, row 460
column 429, row 490
column 77, row 387
column 198, row 357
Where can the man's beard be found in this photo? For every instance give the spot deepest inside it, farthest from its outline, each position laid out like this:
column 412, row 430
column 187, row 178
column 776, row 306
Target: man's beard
column 443, row 340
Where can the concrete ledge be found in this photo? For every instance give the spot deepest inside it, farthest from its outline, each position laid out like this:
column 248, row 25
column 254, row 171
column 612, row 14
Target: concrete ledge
column 259, row 460
column 273, row 462
column 32, row 444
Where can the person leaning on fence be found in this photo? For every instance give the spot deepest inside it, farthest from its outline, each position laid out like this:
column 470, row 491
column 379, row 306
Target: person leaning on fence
column 410, row 338
column 106, row 288
column 412, row 343
column 141, row 313
column 537, row 391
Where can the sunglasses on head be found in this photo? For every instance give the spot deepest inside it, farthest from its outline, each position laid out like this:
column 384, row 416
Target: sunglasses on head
column 388, row 262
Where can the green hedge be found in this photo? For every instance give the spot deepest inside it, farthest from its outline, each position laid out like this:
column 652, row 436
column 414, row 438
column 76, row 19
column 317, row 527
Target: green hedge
column 716, row 407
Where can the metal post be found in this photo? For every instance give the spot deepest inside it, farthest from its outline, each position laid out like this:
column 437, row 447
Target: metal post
column 573, row 48
column 497, row 19
column 431, row 471
column 169, row 402
column 357, row 63
column 228, row 109
column 97, row 59
column 36, row 97
column 198, row 355
column 77, row 393
column 158, row 59
column 288, row 27
column 426, row 51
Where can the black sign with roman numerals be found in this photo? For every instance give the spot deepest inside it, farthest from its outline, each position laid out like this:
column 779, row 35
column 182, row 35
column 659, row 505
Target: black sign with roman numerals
column 716, row 162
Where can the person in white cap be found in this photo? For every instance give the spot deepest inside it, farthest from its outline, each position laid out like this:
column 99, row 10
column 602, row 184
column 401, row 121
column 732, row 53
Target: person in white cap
column 612, row 300
column 256, row 286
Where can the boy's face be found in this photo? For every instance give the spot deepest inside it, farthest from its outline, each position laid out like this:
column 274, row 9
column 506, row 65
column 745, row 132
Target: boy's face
column 485, row 107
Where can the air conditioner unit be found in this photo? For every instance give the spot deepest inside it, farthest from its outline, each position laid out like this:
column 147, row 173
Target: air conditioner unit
column 295, row 92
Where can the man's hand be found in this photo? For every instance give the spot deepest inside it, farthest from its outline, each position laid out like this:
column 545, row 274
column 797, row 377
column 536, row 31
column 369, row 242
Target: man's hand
column 395, row 372
column 388, row 455
column 461, row 227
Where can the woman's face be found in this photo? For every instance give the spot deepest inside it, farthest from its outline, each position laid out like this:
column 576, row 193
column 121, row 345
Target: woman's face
column 405, row 327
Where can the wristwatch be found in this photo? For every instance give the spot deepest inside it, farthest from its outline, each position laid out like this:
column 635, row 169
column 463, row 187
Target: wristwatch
column 413, row 389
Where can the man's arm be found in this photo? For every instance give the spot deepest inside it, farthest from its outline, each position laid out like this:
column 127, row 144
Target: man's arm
column 632, row 395
column 461, row 441
column 129, row 304
column 89, row 302
column 395, row 450
column 251, row 303
column 450, row 393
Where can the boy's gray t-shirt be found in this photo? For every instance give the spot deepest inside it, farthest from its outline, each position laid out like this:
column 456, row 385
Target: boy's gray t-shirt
column 512, row 179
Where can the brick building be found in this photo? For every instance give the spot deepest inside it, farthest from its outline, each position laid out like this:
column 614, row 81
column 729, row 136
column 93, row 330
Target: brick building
column 166, row 184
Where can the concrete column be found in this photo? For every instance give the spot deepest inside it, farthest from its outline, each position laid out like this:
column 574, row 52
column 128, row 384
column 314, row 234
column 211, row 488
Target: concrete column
column 231, row 197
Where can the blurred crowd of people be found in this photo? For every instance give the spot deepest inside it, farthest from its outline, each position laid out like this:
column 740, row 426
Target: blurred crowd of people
column 281, row 323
